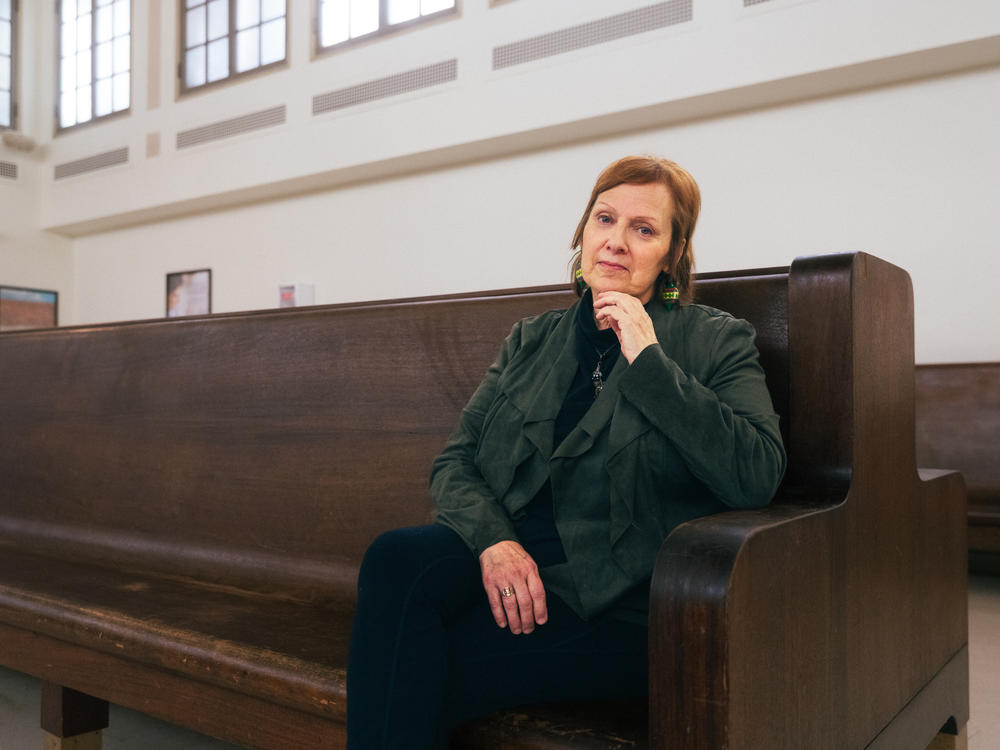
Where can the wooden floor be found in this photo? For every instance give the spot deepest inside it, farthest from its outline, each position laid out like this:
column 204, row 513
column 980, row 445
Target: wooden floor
column 19, row 695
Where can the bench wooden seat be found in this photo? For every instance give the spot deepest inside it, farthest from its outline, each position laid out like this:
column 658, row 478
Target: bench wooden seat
column 265, row 645
column 184, row 505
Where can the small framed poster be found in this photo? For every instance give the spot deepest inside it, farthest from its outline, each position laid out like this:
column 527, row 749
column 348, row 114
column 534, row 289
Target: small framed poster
column 189, row 293
column 22, row 309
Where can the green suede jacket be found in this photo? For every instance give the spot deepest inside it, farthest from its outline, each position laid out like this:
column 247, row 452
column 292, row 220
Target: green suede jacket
column 686, row 430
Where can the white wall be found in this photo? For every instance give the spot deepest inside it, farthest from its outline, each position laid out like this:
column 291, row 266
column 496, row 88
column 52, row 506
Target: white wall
column 705, row 65
column 812, row 126
column 29, row 256
column 899, row 171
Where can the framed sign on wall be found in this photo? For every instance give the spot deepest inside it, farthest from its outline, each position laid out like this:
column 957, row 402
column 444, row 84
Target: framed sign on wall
column 189, row 293
column 22, row 309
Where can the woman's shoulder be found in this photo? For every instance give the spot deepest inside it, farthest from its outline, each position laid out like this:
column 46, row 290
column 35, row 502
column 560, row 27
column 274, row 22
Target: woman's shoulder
column 540, row 326
column 706, row 313
column 533, row 334
column 701, row 333
column 703, row 317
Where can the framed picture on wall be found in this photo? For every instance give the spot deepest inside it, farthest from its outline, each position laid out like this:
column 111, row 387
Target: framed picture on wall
column 189, row 293
column 22, row 309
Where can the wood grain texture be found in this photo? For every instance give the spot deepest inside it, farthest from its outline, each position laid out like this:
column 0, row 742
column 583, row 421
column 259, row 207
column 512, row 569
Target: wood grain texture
column 833, row 609
column 958, row 426
column 225, row 714
column 185, row 504
column 67, row 712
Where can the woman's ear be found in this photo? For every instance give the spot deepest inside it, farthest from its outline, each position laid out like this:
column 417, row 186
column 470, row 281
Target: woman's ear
column 673, row 258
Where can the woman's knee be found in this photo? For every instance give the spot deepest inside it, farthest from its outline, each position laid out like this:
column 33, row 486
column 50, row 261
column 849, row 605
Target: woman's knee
column 400, row 555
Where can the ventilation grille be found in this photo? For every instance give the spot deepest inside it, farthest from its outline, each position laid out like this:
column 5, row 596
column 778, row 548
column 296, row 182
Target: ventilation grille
column 98, row 161
column 266, row 118
column 400, row 83
column 8, row 169
column 596, row 32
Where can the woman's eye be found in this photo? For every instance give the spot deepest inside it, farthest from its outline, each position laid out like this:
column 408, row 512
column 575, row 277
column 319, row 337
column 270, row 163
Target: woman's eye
column 645, row 231
column 603, row 219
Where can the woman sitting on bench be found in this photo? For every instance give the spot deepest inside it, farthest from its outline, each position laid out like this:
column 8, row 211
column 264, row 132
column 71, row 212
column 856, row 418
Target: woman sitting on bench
column 595, row 433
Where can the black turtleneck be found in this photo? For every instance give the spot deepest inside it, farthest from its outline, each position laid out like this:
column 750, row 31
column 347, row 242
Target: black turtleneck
column 537, row 528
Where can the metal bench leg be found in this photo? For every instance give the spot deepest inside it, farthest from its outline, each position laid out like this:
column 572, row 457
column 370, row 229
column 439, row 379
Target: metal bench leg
column 945, row 741
column 71, row 720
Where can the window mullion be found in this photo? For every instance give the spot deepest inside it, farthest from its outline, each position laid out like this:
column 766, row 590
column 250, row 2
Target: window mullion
column 182, row 62
column 93, row 62
column 384, row 27
column 14, row 53
column 13, row 68
column 260, row 31
column 59, row 68
column 232, row 39
column 317, row 24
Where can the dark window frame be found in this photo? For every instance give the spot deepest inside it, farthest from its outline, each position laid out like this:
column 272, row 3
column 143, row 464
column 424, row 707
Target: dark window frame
column 183, row 89
column 13, row 67
column 94, row 119
column 384, row 28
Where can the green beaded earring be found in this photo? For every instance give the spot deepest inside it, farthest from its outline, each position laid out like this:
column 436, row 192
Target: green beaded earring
column 581, row 284
column 671, row 293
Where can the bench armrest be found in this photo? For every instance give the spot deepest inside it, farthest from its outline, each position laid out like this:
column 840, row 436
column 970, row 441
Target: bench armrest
column 744, row 610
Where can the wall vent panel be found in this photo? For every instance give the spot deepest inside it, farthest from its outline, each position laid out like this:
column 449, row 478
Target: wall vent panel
column 381, row 88
column 98, row 161
column 600, row 31
column 266, row 118
column 8, row 169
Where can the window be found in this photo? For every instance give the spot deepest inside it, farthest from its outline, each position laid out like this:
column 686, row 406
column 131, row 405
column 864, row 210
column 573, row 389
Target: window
column 224, row 38
column 8, row 9
column 343, row 20
column 95, row 59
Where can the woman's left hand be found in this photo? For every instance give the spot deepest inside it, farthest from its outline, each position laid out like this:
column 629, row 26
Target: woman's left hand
column 629, row 320
column 506, row 566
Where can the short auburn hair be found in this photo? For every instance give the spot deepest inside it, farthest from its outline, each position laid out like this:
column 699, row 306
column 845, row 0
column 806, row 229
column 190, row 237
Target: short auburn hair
column 686, row 197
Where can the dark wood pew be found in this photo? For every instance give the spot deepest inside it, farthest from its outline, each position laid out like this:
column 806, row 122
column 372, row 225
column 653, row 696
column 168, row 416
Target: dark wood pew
column 184, row 505
column 958, row 425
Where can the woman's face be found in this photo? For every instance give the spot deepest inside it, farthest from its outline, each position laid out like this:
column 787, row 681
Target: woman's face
column 626, row 240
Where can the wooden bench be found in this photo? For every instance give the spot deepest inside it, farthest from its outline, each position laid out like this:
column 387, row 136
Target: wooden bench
column 184, row 505
column 958, row 425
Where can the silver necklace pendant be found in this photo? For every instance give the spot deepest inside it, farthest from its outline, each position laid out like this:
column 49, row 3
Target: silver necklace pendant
column 597, row 379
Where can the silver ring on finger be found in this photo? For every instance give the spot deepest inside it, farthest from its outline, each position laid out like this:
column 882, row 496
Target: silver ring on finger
column 507, row 592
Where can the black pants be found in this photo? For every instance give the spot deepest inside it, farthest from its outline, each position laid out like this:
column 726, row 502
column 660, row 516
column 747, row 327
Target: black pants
column 427, row 655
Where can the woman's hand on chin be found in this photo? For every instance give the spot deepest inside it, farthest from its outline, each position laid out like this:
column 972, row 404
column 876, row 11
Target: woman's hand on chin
column 506, row 567
column 629, row 320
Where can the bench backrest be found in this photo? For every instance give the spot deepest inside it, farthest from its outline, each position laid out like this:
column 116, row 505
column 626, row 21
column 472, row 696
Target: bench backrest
column 264, row 449
column 958, row 426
